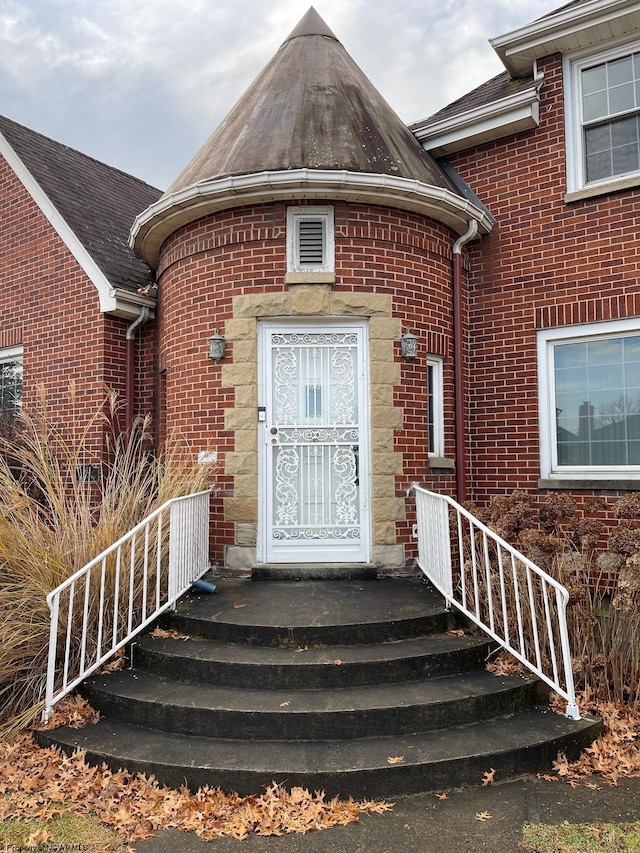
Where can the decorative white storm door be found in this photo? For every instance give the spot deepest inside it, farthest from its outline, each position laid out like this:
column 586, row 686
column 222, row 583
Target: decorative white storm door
column 314, row 440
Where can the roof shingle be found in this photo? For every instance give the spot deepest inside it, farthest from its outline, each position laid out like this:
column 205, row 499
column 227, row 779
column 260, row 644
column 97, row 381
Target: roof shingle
column 98, row 202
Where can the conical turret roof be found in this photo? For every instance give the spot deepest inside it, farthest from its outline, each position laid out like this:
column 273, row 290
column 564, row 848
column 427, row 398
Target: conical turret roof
column 311, row 126
column 311, row 107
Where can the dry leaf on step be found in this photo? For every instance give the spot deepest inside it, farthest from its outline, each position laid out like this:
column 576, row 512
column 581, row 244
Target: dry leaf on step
column 488, row 778
column 397, row 759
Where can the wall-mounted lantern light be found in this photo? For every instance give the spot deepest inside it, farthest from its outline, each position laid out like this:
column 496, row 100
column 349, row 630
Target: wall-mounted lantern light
column 217, row 346
column 409, row 346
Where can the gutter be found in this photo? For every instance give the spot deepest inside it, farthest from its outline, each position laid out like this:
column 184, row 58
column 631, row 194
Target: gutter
column 130, row 366
column 460, row 396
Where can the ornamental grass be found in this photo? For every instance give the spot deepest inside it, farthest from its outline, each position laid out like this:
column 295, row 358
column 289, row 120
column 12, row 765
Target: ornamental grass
column 68, row 491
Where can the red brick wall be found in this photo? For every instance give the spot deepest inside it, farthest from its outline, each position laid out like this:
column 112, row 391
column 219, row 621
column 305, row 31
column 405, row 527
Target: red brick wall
column 50, row 307
column 547, row 262
column 378, row 250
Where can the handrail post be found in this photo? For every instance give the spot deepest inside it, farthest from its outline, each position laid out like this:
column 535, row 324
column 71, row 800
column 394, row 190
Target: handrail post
column 188, row 536
column 54, row 610
column 431, row 508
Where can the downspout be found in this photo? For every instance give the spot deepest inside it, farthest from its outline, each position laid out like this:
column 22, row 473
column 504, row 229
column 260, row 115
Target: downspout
column 458, row 357
column 130, row 366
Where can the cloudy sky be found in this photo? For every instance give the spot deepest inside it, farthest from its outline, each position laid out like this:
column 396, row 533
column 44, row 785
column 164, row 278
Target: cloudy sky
column 140, row 84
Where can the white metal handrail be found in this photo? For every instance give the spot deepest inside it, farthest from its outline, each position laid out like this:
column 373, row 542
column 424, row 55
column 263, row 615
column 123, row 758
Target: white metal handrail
column 116, row 595
column 514, row 601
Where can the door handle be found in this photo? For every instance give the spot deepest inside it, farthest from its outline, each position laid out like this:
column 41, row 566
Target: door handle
column 355, row 449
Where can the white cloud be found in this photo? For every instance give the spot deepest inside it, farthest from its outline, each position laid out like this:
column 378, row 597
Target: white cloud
column 141, row 84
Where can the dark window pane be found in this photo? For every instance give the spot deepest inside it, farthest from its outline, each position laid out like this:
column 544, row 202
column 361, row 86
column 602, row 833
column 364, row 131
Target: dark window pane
column 599, row 166
column 594, row 79
column 608, row 453
column 624, row 131
column 570, row 355
column 622, row 98
column 595, row 106
column 620, row 71
column 597, row 405
column 625, row 159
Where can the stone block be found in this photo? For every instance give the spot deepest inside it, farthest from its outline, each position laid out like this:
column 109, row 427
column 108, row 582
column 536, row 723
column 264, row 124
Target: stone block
column 381, row 395
column 247, row 397
column 385, row 328
column 383, row 485
column 382, row 351
column 244, row 419
column 262, row 305
column 245, row 350
column 241, row 509
column 246, row 533
column 245, row 486
column 360, row 304
column 245, row 439
column 389, row 556
column 386, row 463
column 309, row 299
column 242, row 463
column 387, row 416
column 238, row 329
column 381, row 441
column 239, row 556
column 384, row 533
column 388, row 509
column 385, row 373
column 239, row 373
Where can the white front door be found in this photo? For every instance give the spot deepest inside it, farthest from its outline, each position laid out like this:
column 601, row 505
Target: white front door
column 314, row 443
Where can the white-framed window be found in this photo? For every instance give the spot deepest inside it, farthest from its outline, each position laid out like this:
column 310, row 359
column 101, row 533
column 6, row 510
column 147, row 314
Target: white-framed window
column 310, row 240
column 602, row 104
column 435, row 406
column 589, row 384
column 10, row 382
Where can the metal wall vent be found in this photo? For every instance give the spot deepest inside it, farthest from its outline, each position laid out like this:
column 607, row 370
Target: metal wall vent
column 311, row 242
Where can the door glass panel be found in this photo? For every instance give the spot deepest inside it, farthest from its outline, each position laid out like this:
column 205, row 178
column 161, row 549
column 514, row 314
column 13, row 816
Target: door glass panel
column 315, row 436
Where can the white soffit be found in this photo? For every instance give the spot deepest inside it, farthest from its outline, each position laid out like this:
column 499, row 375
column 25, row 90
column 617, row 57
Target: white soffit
column 583, row 26
column 112, row 301
column 495, row 120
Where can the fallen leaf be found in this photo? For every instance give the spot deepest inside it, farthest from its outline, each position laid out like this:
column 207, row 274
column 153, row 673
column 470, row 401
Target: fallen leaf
column 137, row 806
column 284, row 704
column 398, row 759
column 169, row 634
column 442, row 796
column 488, row 778
column 337, row 661
column 483, row 816
column 238, row 606
column 456, row 632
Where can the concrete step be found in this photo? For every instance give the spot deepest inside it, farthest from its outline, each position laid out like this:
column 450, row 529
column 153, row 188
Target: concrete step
column 332, row 666
column 456, row 756
column 312, row 613
column 349, row 712
column 319, row 684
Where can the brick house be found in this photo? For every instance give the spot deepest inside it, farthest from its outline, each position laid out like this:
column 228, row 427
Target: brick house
column 338, row 305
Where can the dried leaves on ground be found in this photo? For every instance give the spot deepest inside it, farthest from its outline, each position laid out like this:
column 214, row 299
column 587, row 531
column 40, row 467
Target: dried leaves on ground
column 615, row 754
column 42, row 783
column 72, row 711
